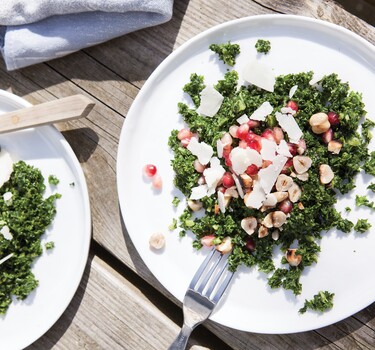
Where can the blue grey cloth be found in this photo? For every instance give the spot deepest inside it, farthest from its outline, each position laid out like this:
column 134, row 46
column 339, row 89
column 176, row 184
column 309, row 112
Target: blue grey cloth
column 34, row 31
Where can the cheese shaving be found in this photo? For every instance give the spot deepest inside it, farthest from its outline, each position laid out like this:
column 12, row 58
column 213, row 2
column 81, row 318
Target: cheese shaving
column 3, row 260
column 290, row 126
column 211, row 101
column 201, row 150
column 199, row 192
column 243, row 119
column 262, row 112
column 293, row 90
column 268, row 176
column 260, row 75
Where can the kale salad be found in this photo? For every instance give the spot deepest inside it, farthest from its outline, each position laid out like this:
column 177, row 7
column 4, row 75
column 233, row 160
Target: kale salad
column 263, row 163
column 25, row 214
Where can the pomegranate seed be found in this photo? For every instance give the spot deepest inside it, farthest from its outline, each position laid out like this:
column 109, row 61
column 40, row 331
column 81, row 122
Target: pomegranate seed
column 184, row 134
column 252, row 170
column 268, row 134
column 286, row 206
column 292, row 148
column 242, row 144
column 333, row 118
column 253, row 124
column 208, row 240
column 228, row 180
column 185, row 142
column 228, row 162
column 157, row 183
column 233, row 130
column 293, row 105
column 250, row 244
column 287, row 166
column 150, row 170
column 253, row 136
column 327, row 136
column 198, row 166
column 253, row 144
column 242, row 131
column 226, row 151
column 278, row 133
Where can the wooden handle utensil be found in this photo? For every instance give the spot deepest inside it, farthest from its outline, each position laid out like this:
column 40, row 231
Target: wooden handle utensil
column 60, row 110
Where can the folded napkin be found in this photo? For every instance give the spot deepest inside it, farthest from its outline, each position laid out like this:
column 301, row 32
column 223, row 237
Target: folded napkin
column 33, row 31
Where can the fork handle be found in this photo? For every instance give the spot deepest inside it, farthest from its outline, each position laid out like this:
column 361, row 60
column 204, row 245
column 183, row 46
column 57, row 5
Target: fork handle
column 182, row 338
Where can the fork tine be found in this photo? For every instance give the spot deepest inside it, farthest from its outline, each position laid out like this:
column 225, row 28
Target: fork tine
column 209, row 274
column 201, row 269
column 215, row 280
column 223, row 286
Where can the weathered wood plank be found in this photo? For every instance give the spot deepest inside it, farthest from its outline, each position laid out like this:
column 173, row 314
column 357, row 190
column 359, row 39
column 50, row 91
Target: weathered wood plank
column 112, row 74
column 325, row 10
column 109, row 312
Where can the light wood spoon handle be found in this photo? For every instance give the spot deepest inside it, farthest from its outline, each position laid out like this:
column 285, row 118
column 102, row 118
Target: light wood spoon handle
column 60, row 110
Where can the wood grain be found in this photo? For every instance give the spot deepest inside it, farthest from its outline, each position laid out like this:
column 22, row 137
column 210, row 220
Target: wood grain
column 111, row 75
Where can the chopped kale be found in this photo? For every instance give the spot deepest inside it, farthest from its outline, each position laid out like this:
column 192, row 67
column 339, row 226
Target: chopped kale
column 53, row 180
column 371, row 187
column 315, row 212
column 27, row 218
column 320, row 302
column 362, row 226
column 364, row 201
column 227, row 52
column 263, row 46
column 49, row 245
column 176, row 201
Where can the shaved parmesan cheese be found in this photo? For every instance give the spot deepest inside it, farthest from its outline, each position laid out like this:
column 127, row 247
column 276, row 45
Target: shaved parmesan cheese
column 3, row 260
column 243, row 119
column 256, row 197
column 287, row 110
column 268, row 151
column 243, row 157
column 211, row 101
column 221, row 201
column 238, row 185
column 268, row 176
column 292, row 91
column 7, row 196
column 283, row 149
column 199, row 192
column 259, row 74
column 316, row 78
column 290, row 126
column 262, row 111
column 6, row 166
column 219, row 148
column 213, row 175
column 6, row 233
column 201, row 150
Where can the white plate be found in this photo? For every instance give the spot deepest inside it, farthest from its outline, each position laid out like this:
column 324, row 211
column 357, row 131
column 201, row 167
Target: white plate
column 60, row 270
column 346, row 262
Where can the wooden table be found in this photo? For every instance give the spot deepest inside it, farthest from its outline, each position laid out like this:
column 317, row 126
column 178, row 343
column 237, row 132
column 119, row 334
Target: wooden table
column 119, row 304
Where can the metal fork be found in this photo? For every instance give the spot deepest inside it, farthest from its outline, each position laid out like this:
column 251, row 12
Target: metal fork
column 205, row 290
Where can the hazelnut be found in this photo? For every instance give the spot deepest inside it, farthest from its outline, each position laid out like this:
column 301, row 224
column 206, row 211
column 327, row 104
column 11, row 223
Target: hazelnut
column 319, row 123
column 249, row 224
column 326, row 174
